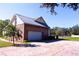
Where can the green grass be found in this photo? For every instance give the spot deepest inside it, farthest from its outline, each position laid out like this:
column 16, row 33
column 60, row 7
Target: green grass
column 4, row 37
column 72, row 38
column 5, row 44
column 26, row 42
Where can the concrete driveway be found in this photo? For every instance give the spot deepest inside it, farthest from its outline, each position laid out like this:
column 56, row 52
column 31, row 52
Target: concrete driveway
column 59, row 48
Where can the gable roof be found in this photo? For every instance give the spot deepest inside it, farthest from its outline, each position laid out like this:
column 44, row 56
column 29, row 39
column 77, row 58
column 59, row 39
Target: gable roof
column 31, row 21
column 41, row 21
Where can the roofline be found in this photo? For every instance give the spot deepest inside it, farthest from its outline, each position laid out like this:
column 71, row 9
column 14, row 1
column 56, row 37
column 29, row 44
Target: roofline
column 35, row 25
column 29, row 23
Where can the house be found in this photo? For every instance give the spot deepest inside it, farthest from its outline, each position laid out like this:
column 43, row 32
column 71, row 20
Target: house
column 31, row 28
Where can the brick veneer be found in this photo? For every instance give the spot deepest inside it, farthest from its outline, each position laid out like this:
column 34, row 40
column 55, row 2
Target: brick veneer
column 27, row 27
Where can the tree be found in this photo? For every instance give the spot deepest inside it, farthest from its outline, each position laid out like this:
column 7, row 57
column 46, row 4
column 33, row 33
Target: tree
column 65, row 31
column 3, row 24
column 9, row 30
column 51, row 6
column 12, row 31
column 56, row 31
column 75, row 30
column 61, row 31
column 53, row 31
column 1, row 27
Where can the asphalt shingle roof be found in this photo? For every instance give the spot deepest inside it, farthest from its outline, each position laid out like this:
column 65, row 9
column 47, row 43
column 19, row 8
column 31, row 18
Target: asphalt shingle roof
column 29, row 20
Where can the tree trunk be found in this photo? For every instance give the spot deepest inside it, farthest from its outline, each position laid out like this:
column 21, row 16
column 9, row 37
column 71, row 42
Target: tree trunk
column 57, row 37
column 13, row 41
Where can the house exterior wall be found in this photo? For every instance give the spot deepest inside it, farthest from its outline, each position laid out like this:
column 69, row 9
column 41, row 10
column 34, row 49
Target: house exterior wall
column 26, row 27
column 21, row 28
column 35, row 28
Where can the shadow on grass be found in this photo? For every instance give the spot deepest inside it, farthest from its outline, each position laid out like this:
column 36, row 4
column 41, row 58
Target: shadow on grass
column 26, row 45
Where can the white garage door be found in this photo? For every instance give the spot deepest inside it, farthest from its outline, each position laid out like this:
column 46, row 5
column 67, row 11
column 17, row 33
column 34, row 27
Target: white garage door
column 32, row 35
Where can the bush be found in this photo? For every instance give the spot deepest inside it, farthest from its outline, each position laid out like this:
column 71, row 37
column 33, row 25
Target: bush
column 51, row 37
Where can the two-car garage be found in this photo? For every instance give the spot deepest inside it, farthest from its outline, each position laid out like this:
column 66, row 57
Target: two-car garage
column 34, row 35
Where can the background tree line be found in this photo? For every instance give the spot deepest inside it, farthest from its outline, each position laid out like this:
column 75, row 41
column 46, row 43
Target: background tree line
column 65, row 31
column 3, row 24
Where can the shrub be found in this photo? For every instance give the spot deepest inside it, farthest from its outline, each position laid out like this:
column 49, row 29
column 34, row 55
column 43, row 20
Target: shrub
column 51, row 37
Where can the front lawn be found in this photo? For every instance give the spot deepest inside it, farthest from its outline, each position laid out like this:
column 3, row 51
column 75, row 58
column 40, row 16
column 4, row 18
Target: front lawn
column 72, row 38
column 5, row 44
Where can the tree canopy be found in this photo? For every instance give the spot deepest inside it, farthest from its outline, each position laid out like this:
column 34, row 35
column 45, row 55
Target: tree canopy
column 3, row 24
column 51, row 6
column 9, row 30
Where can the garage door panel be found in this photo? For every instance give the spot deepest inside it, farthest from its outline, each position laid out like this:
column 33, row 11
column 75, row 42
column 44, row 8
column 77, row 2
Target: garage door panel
column 32, row 35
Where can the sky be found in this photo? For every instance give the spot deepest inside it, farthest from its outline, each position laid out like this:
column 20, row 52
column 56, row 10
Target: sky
column 65, row 18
